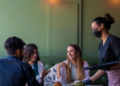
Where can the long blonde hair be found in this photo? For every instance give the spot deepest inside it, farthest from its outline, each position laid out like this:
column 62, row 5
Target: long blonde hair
column 80, row 72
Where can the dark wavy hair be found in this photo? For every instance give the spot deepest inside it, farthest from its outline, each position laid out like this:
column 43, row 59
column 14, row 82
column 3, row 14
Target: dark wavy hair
column 12, row 44
column 28, row 51
column 107, row 20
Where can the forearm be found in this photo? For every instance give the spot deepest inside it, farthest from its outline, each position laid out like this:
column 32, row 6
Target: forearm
column 58, row 72
column 98, row 74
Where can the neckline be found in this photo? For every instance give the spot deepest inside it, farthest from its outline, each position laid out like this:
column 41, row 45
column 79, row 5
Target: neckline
column 13, row 57
column 106, row 41
column 71, row 65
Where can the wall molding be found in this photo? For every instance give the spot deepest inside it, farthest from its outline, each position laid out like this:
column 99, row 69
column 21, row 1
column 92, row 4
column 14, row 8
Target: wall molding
column 79, row 25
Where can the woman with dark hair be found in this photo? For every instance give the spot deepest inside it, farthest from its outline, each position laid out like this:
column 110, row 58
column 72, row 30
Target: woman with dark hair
column 109, row 50
column 71, row 70
column 31, row 55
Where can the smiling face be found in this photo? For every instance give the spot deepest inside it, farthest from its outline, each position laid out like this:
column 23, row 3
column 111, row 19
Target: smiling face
column 71, row 53
column 34, row 55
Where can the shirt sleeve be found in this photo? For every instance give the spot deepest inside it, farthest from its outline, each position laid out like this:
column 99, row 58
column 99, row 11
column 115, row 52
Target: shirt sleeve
column 62, row 78
column 115, row 46
column 87, row 72
column 30, row 76
column 40, row 69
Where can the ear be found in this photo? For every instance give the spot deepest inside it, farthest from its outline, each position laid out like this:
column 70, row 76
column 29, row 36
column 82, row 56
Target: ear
column 18, row 52
column 102, row 25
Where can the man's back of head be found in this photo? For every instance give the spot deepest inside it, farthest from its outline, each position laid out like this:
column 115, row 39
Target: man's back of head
column 12, row 67
column 14, row 46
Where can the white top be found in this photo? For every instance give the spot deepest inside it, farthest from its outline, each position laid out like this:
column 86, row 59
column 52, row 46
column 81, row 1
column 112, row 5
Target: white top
column 40, row 68
column 63, row 79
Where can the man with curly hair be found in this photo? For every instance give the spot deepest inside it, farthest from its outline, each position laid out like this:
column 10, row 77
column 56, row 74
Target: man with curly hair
column 13, row 71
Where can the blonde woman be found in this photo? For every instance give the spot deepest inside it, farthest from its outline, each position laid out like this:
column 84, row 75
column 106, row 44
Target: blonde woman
column 71, row 70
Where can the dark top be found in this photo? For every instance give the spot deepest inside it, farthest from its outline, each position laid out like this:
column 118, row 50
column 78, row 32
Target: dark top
column 35, row 68
column 14, row 72
column 110, row 52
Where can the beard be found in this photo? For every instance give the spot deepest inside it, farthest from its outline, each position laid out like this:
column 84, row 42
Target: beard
column 21, row 55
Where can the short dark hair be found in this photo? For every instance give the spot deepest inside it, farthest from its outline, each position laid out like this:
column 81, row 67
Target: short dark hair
column 12, row 44
column 107, row 20
column 28, row 51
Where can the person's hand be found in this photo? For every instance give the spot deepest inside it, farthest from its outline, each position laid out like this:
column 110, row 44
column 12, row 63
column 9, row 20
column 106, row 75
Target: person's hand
column 71, row 82
column 44, row 73
column 87, row 82
column 57, row 82
column 26, row 84
column 61, row 64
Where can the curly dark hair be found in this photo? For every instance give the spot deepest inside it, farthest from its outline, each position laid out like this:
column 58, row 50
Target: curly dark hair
column 12, row 44
column 28, row 51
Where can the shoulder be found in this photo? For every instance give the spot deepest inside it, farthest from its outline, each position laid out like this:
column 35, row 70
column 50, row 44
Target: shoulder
column 3, row 59
column 65, row 61
column 114, row 40
column 27, row 69
column 85, row 64
column 25, row 64
column 39, row 62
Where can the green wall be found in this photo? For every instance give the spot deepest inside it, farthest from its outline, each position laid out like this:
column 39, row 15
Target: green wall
column 92, row 9
column 26, row 19
column 29, row 20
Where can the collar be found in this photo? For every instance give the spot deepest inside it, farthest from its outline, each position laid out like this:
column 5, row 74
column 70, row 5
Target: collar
column 9, row 57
